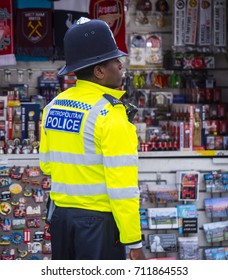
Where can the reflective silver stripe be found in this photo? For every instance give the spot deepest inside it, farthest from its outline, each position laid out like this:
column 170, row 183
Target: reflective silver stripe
column 89, row 143
column 44, row 157
column 95, row 189
column 115, row 161
column 122, row 193
column 70, row 158
column 74, row 189
column 89, row 159
column 48, row 108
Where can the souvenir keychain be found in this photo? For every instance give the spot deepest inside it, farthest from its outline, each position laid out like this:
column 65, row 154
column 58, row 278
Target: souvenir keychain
column 154, row 49
column 162, row 7
column 143, row 8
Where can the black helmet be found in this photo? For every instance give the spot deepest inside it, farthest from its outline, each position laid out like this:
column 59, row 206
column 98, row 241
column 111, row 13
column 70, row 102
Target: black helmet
column 87, row 43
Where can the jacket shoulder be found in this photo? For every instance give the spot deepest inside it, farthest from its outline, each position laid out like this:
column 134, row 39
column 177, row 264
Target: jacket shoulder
column 114, row 101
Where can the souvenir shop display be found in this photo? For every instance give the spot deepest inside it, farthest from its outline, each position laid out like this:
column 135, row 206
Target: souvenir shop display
column 219, row 253
column 188, row 185
column 162, row 218
column 143, row 192
column 216, row 231
column 144, row 218
column 23, row 212
column 188, row 248
column 187, row 218
column 216, row 182
column 145, row 50
column 143, row 11
column 162, row 8
column 216, row 207
column 162, row 193
column 162, row 242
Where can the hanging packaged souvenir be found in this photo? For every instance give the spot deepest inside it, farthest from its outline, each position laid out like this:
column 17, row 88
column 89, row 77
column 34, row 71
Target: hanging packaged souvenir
column 143, row 11
column 191, row 22
column 219, row 24
column 137, row 50
column 162, row 7
column 205, row 23
column 154, row 49
column 179, row 22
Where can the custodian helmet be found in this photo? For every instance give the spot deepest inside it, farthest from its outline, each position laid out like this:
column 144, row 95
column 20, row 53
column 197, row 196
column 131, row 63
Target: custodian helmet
column 87, row 43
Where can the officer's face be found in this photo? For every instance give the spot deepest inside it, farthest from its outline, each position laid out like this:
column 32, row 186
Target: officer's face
column 112, row 71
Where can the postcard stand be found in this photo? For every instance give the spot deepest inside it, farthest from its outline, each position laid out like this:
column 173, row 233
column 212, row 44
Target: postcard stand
column 216, row 182
column 160, row 192
column 216, row 232
column 188, row 185
column 216, row 253
column 144, row 188
column 216, row 207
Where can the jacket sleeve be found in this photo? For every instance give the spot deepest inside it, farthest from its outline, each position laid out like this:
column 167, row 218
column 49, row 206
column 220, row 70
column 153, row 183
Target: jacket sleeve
column 44, row 151
column 119, row 148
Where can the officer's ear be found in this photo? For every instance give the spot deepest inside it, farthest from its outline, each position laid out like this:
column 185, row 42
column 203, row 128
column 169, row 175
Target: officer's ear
column 99, row 71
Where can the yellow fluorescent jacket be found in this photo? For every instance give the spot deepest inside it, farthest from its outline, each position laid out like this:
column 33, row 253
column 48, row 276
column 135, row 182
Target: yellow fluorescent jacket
column 89, row 148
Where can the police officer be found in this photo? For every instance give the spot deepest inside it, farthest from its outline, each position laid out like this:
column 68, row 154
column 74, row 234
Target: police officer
column 89, row 148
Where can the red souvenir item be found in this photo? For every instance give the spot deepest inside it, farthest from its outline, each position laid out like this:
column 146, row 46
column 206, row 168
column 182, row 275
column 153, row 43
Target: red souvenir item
column 47, row 234
column 33, row 223
column 199, row 63
column 112, row 12
column 32, row 171
column 46, row 183
column 7, row 56
column 16, row 172
column 19, row 212
column 27, row 235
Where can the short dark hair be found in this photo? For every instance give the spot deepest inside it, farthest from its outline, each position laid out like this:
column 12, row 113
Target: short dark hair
column 87, row 73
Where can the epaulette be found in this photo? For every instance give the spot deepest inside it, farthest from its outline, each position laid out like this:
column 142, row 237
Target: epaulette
column 114, row 101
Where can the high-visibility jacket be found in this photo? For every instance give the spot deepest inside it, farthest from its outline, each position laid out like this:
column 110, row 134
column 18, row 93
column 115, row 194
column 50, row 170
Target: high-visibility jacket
column 89, row 148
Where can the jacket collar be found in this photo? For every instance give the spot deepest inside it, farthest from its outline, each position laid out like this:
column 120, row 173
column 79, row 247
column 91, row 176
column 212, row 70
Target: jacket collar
column 99, row 89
